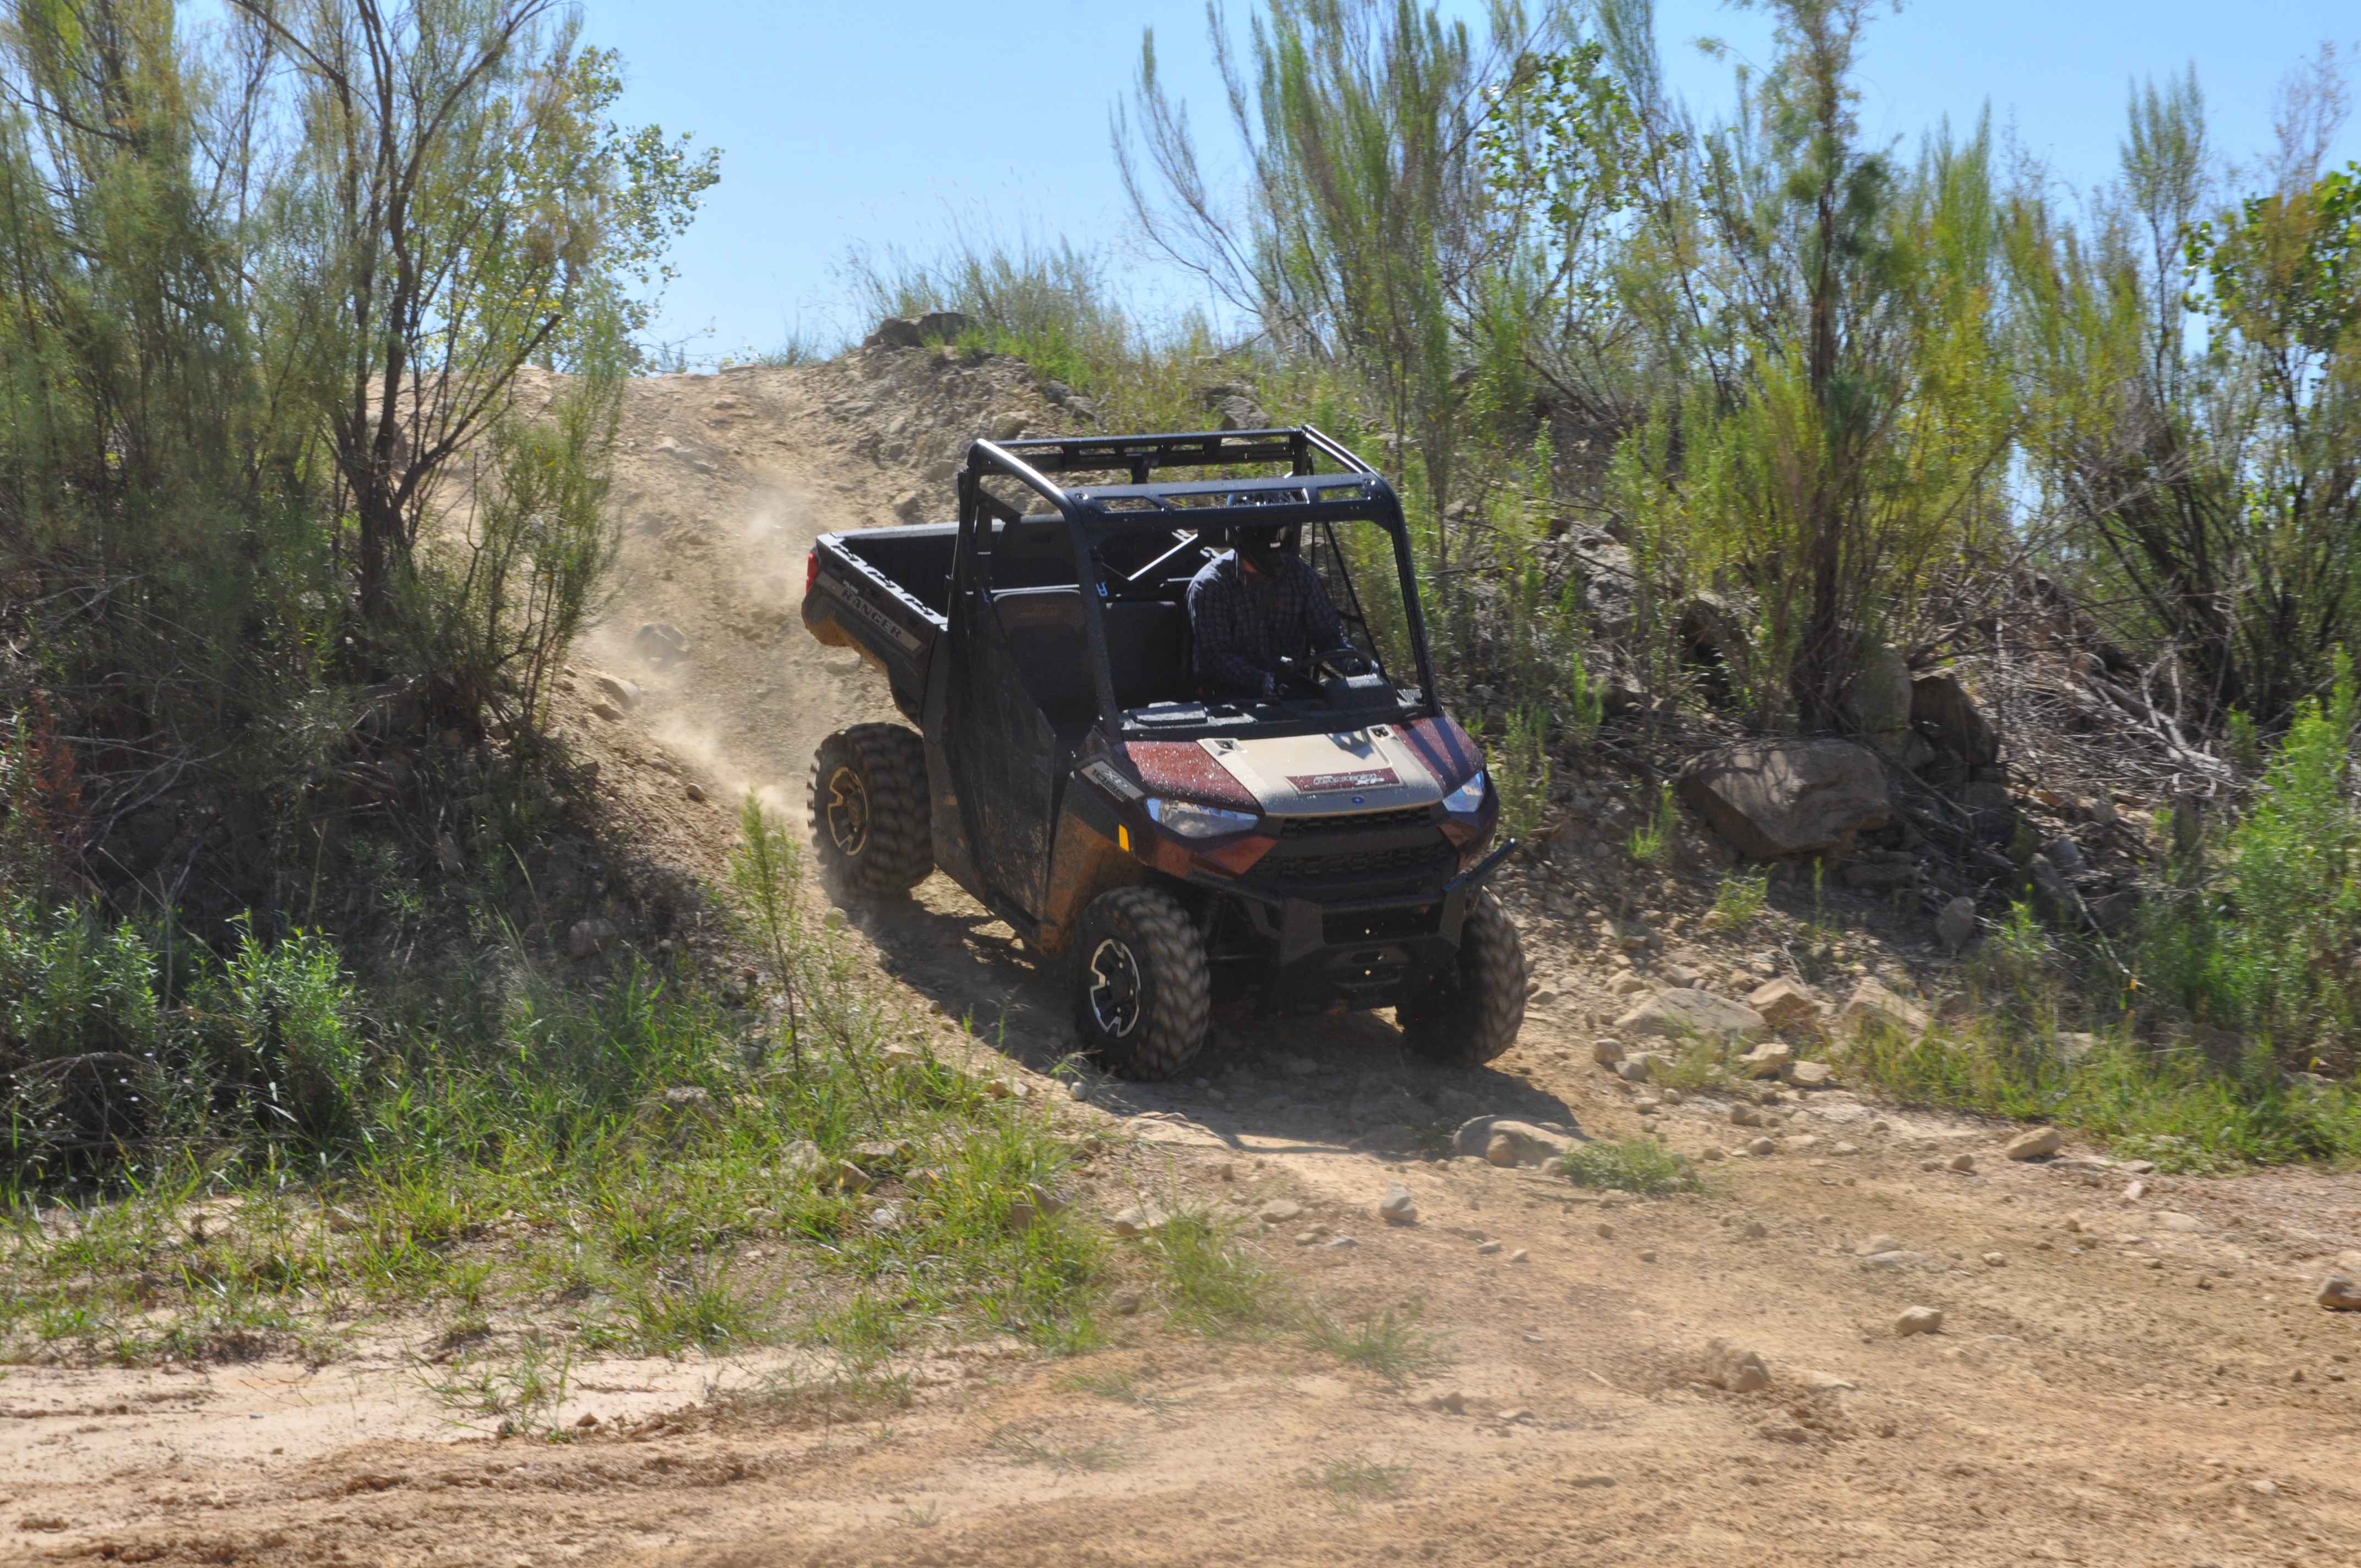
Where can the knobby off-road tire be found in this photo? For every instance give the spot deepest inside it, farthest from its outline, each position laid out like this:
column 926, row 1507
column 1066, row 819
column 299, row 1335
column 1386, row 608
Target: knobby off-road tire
column 1475, row 1012
column 1141, row 991
column 867, row 800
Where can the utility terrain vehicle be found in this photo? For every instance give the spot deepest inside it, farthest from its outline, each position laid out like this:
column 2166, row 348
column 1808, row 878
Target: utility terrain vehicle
column 1319, row 851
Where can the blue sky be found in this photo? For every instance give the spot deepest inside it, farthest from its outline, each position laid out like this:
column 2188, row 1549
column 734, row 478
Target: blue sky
column 877, row 123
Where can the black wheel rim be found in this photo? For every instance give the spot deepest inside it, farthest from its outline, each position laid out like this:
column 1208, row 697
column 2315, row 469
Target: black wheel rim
column 1115, row 989
column 848, row 813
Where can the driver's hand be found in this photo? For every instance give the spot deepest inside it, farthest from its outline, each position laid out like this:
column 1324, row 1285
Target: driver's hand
column 1270, row 688
column 1352, row 664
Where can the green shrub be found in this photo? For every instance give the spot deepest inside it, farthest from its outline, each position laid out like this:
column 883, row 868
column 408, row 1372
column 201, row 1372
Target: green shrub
column 2268, row 941
column 1739, row 899
column 1631, row 1165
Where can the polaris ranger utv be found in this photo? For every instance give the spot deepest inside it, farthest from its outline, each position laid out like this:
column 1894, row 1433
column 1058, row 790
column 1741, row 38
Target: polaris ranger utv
column 1318, row 848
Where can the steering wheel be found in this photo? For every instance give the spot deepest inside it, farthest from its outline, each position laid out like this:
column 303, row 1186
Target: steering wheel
column 1305, row 674
column 1342, row 662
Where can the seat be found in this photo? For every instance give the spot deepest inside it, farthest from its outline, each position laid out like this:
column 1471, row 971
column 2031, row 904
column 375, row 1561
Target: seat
column 1148, row 652
column 1036, row 553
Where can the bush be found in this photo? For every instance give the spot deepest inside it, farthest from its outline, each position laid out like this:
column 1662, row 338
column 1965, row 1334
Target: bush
column 2267, row 941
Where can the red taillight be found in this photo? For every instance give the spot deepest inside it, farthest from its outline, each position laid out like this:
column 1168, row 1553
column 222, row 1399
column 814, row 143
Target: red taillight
column 811, row 569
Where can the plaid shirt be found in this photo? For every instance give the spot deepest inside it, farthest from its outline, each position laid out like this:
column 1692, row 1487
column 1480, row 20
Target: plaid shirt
column 1243, row 626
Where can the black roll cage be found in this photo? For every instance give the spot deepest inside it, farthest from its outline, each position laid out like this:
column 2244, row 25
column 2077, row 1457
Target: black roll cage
column 1095, row 512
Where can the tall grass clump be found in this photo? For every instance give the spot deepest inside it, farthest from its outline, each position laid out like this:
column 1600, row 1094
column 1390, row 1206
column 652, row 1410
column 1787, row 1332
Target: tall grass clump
column 2266, row 942
column 2172, row 1103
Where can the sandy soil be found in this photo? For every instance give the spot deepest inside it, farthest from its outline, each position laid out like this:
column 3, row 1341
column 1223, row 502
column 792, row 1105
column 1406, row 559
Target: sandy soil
column 2126, row 1372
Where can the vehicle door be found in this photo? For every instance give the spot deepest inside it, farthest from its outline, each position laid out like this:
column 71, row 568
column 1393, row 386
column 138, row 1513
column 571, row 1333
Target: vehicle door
column 1009, row 630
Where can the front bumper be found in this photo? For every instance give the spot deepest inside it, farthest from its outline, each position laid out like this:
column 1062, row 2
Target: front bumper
column 1361, row 954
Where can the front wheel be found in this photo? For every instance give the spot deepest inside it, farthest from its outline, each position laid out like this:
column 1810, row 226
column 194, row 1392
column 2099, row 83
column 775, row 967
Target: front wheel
column 1479, row 1003
column 1141, row 991
column 867, row 797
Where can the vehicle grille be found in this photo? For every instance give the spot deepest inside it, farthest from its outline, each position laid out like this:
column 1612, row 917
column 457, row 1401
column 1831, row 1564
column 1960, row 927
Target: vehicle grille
column 1291, row 828
column 1410, row 859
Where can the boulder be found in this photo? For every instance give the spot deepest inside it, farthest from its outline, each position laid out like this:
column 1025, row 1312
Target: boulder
column 590, row 937
column 1918, row 1320
column 1957, row 922
column 2339, row 1294
column 1682, row 1015
column 1239, row 414
column 660, row 644
column 1942, row 710
column 1642, row 1067
column 1809, row 1075
column 1607, row 1052
column 1768, row 1060
column 2038, row 1144
column 1715, row 633
column 1397, row 1206
column 1880, row 700
column 1139, row 1220
column 1737, row 1367
column 1507, row 1141
column 914, row 332
column 1786, row 797
column 1782, row 1002
column 1872, row 1006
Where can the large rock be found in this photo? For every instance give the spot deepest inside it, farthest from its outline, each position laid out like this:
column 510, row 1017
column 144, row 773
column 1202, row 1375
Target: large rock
column 1504, row 1140
column 912, row 332
column 1942, row 710
column 1871, row 1006
column 1783, row 1003
column 1788, row 797
column 1692, row 1015
column 1736, row 1367
column 1882, row 701
column 2038, row 1144
column 1957, row 924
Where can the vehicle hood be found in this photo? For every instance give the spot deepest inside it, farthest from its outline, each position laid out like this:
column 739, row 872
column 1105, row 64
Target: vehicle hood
column 1343, row 771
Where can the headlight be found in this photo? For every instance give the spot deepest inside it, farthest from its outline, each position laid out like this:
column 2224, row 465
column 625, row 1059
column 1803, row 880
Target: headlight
column 1468, row 798
column 1191, row 821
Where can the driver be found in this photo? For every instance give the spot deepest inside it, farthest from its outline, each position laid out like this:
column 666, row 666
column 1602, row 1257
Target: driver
column 1252, row 608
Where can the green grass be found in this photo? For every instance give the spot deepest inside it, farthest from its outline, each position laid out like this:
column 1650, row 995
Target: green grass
column 1388, row 1343
column 1630, row 1165
column 2170, row 1104
column 1350, row 1482
column 1654, row 841
column 1739, row 899
column 1028, row 1447
column 623, row 1166
column 1209, row 1284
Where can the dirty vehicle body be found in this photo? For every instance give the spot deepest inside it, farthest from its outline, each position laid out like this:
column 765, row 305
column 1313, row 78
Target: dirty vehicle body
column 1322, row 851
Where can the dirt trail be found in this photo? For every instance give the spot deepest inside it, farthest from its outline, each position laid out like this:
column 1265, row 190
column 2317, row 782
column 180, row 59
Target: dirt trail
column 2154, row 1386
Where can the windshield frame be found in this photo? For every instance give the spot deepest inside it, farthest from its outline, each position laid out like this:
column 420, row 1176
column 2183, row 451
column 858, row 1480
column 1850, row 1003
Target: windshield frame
column 1096, row 514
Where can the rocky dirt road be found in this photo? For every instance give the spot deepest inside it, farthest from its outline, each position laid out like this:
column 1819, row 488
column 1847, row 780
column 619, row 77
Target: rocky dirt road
column 2127, row 1372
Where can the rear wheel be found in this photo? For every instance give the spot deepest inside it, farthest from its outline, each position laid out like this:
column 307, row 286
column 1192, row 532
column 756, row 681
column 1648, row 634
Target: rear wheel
column 867, row 799
column 1478, row 1005
column 1141, row 989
